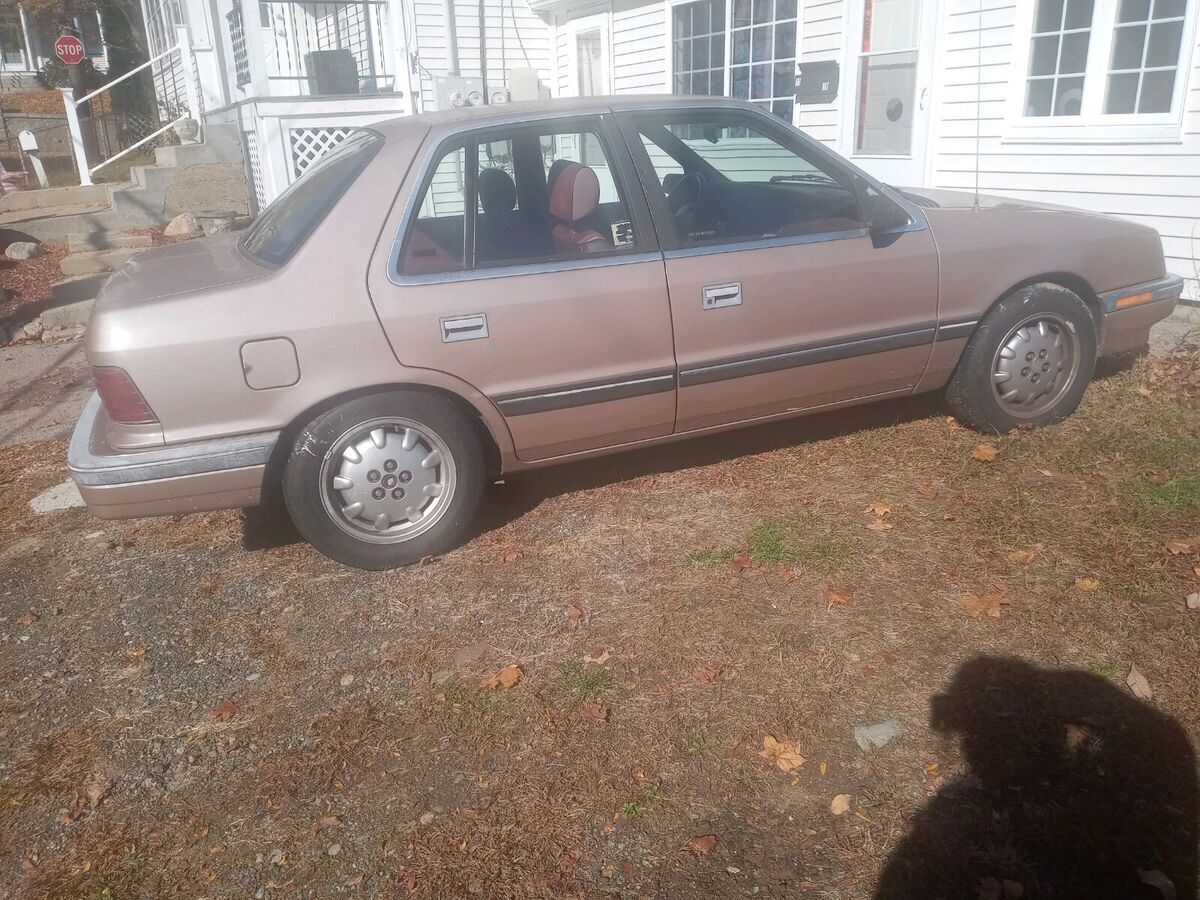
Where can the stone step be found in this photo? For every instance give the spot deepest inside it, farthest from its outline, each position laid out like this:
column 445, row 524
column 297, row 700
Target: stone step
column 94, row 261
column 85, row 241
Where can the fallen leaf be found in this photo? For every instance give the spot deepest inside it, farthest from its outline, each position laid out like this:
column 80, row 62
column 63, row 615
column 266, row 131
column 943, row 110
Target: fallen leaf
column 505, row 678
column 990, row 603
column 574, row 613
column 595, row 711
column 927, row 490
column 1178, row 547
column 324, row 823
column 628, row 869
column 1157, row 879
column 1013, row 890
column 824, row 767
column 879, row 508
column 740, row 564
column 1087, row 584
column 28, row 619
column 841, row 804
column 985, row 452
column 879, row 525
column 1144, row 390
column 703, row 843
column 28, row 867
column 608, row 871
column 136, row 652
column 356, row 880
column 952, row 424
column 1021, row 557
column 513, row 556
column 1159, row 478
column 1139, row 684
column 1045, row 473
column 96, row 789
column 597, row 657
column 1196, row 571
column 837, row 596
column 1193, row 601
column 707, row 674
column 783, row 756
column 224, row 711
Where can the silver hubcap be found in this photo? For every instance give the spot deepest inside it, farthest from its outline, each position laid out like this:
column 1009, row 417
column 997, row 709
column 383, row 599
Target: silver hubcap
column 1035, row 365
column 387, row 480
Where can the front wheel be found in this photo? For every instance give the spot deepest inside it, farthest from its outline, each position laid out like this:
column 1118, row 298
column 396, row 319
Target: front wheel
column 1028, row 362
column 385, row 480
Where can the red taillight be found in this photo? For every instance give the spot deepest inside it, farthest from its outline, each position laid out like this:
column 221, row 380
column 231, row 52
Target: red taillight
column 122, row 400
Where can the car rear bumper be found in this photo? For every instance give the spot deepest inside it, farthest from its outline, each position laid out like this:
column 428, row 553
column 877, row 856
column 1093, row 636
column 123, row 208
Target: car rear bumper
column 194, row 477
column 1130, row 312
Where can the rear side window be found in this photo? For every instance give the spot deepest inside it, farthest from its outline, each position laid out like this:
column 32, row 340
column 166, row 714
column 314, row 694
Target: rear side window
column 281, row 228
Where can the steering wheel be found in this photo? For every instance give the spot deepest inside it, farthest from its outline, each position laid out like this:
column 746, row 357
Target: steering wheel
column 684, row 196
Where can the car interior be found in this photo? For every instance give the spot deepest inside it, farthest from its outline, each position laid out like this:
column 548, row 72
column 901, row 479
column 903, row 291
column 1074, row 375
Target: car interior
column 708, row 205
column 526, row 211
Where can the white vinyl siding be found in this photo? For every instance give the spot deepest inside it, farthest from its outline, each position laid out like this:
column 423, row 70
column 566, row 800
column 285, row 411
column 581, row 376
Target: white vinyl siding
column 822, row 24
column 639, row 35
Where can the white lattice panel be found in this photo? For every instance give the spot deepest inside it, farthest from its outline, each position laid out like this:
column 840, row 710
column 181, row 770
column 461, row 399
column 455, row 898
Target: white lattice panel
column 310, row 144
column 250, row 142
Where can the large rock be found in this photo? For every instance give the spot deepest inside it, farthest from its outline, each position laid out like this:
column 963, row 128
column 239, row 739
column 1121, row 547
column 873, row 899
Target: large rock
column 23, row 250
column 182, row 224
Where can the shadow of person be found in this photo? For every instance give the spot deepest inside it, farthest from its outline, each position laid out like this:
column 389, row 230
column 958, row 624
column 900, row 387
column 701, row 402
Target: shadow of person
column 1075, row 790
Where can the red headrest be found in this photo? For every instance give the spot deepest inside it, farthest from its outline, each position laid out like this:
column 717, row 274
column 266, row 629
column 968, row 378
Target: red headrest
column 575, row 193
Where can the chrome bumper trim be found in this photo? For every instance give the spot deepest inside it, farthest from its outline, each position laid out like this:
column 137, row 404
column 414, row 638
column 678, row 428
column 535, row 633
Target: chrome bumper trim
column 1169, row 287
column 93, row 464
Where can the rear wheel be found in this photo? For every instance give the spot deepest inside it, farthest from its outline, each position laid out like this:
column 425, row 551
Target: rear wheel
column 1028, row 362
column 385, row 480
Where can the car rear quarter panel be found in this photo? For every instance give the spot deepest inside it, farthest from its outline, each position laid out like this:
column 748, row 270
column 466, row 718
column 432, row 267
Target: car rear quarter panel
column 184, row 351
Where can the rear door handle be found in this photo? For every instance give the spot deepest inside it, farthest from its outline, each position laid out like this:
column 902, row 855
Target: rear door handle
column 464, row 328
column 718, row 296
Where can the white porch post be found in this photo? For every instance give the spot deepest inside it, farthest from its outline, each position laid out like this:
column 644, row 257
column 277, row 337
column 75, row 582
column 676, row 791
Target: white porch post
column 76, row 133
column 188, row 64
column 27, row 34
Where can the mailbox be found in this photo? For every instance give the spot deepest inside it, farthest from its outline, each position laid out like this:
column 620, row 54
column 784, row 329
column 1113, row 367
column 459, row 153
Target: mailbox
column 817, row 82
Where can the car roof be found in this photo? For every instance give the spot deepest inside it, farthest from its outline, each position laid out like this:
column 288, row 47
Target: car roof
column 526, row 110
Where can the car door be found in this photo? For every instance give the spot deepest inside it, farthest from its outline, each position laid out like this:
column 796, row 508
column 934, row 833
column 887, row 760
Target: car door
column 552, row 304
column 782, row 298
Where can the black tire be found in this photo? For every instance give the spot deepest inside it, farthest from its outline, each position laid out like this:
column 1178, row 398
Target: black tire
column 970, row 393
column 316, row 442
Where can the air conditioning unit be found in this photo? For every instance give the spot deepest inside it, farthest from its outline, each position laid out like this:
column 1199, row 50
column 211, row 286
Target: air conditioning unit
column 331, row 72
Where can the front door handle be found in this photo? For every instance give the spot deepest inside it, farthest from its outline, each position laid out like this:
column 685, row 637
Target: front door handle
column 464, row 328
column 718, row 296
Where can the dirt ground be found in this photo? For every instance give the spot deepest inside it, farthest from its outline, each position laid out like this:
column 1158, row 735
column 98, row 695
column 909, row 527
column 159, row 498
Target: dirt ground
column 642, row 678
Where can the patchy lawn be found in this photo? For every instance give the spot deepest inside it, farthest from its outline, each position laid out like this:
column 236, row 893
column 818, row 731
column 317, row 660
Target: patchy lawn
column 698, row 631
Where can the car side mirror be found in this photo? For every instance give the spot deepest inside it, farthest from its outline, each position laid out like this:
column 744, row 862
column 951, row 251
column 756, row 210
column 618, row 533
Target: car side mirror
column 883, row 214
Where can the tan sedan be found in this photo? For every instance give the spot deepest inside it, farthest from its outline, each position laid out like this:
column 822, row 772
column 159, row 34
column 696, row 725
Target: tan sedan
column 447, row 297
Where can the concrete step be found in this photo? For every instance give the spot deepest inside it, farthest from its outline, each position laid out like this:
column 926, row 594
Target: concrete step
column 49, row 198
column 95, row 261
column 52, row 225
column 81, row 287
column 85, row 241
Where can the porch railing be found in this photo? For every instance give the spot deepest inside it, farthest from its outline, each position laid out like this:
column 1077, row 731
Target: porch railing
column 326, row 48
column 91, row 154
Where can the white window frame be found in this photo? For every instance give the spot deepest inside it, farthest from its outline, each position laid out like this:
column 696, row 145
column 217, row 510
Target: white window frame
column 669, row 48
column 1093, row 125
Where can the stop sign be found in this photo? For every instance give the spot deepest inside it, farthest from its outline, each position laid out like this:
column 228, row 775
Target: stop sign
column 69, row 49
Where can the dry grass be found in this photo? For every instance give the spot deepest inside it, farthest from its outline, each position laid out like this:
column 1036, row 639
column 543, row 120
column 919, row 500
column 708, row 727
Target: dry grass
column 589, row 779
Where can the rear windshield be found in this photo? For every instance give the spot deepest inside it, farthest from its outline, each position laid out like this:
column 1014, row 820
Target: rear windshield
column 286, row 223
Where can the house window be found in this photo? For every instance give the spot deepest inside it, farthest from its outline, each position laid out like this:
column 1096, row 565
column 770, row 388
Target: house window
column 887, row 86
column 590, row 51
column 1090, row 60
column 1058, row 56
column 761, row 61
column 762, row 54
column 1145, row 56
column 699, row 46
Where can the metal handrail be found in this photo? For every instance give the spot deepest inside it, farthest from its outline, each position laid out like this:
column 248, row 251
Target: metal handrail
column 183, row 47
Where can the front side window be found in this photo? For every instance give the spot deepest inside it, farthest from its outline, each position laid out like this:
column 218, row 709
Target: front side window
column 724, row 177
column 760, row 64
column 1145, row 56
column 522, row 196
column 1062, row 31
